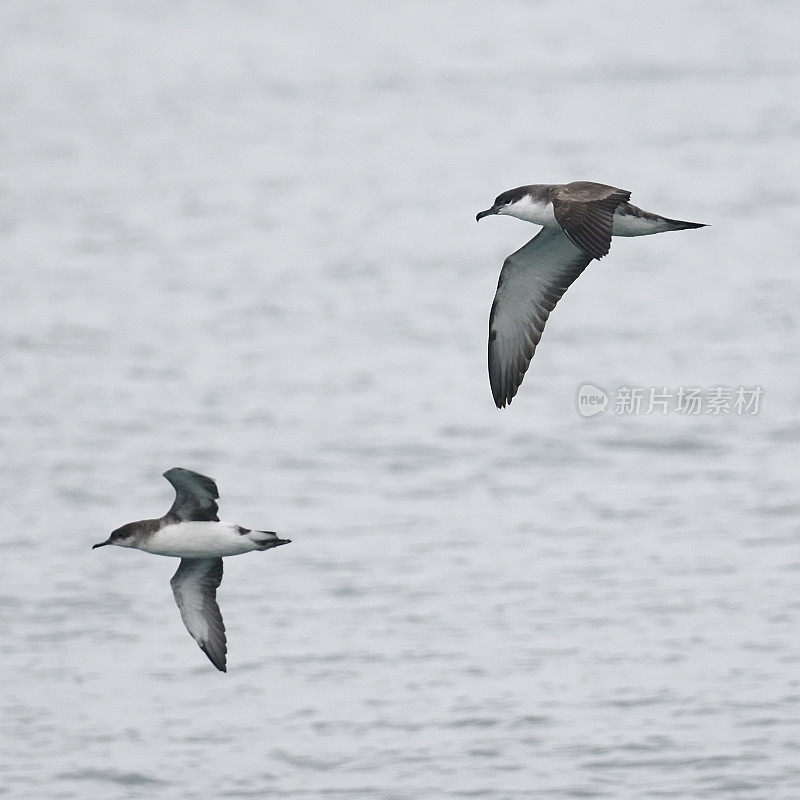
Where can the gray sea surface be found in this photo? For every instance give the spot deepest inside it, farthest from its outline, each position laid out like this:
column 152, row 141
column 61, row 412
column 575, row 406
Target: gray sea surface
column 240, row 238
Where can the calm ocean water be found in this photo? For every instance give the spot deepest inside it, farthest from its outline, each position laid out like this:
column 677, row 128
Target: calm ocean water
column 240, row 238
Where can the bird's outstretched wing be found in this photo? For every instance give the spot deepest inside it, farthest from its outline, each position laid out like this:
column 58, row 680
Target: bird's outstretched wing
column 195, row 496
column 195, row 588
column 585, row 211
column 531, row 282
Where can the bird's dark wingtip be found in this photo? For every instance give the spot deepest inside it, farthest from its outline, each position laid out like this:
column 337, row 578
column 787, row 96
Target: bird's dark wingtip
column 501, row 401
column 219, row 664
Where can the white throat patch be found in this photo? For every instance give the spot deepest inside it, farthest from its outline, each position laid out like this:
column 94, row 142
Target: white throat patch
column 530, row 210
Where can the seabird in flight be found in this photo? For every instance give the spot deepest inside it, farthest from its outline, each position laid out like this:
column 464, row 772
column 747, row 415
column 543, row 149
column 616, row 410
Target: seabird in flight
column 578, row 220
column 191, row 531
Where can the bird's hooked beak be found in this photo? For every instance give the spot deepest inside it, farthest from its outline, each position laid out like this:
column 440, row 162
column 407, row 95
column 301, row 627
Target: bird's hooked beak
column 495, row 209
column 102, row 544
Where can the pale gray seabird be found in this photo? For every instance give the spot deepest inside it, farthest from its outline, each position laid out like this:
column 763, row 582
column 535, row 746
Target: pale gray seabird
column 191, row 531
column 578, row 220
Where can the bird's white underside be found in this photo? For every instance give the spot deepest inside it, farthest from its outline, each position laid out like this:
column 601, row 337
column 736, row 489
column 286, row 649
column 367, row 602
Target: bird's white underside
column 198, row 540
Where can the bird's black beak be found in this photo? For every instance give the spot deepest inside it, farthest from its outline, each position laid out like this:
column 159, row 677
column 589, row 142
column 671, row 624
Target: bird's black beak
column 282, row 541
column 101, row 544
column 488, row 212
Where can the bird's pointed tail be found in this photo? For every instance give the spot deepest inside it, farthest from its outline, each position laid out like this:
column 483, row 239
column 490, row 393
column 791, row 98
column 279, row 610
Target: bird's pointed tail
column 266, row 540
column 629, row 220
column 682, row 225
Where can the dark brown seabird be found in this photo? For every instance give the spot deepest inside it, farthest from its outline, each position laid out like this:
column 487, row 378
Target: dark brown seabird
column 191, row 531
column 578, row 220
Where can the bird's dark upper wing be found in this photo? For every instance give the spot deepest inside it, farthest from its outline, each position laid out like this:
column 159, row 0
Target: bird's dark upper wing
column 195, row 496
column 531, row 282
column 586, row 213
column 195, row 588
